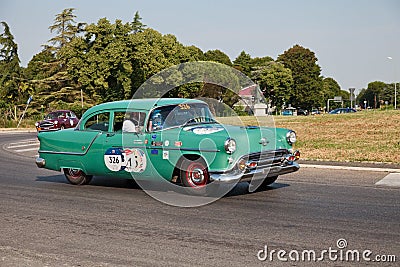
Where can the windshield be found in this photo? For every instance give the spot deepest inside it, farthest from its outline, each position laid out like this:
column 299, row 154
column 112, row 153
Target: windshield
column 51, row 116
column 178, row 115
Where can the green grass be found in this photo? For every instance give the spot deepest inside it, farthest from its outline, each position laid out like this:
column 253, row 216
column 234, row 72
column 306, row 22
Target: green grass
column 25, row 123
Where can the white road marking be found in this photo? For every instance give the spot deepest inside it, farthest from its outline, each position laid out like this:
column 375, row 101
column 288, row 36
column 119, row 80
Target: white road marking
column 24, row 145
column 30, row 144
column 350, row 168
column 25, row 141
column 27, row 149
column 392, row 179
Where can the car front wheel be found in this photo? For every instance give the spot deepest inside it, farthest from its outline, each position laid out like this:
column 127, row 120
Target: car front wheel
column 77, row 177
column 194, row 173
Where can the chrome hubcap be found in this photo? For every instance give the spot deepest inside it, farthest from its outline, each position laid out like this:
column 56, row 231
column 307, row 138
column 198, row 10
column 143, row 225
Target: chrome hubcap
column 197, row 176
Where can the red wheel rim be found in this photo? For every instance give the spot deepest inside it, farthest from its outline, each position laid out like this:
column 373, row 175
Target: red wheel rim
column 75, row 173
column 196, row 175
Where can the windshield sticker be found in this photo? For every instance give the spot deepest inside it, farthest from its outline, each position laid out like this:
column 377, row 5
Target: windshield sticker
column 201, row 130
column 184, row 106
column 130, row 160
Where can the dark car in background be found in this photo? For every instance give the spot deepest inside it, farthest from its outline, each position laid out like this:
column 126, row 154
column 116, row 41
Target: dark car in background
column 315, row 112
column 342, row 110
column 302, row 112
column 57, row 120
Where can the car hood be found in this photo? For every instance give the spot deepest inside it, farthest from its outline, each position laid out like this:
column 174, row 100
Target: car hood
column 249, row 139
column 47, row 121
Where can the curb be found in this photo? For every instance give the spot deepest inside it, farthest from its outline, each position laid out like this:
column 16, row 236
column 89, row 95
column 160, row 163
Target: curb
column 350, row 168
column 16, row 130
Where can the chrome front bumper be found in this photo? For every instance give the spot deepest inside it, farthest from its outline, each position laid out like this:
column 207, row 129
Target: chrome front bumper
column 268, row 164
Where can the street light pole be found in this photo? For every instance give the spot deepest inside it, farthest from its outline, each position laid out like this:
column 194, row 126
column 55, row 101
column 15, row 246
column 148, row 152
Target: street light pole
column 395, row 87
column 395, row 95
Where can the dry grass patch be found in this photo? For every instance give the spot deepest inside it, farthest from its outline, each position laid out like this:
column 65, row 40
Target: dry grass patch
column 372, row 136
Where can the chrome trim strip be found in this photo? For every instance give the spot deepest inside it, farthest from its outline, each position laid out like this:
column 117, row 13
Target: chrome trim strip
column 184, row 149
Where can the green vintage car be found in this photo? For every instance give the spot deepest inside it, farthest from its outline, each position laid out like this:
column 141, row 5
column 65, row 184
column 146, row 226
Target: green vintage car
column 175, row 139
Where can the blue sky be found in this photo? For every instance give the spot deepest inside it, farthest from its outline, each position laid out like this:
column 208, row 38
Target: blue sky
column 351, row 38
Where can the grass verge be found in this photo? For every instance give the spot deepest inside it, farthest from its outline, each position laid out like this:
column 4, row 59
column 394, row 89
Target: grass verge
column 367, row 136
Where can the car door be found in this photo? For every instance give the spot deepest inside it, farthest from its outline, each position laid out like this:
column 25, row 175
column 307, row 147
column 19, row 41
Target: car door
column 125, row 152
column 94, row 129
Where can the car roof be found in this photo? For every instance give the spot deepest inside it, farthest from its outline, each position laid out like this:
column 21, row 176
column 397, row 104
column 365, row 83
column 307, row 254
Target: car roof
column 141, row 104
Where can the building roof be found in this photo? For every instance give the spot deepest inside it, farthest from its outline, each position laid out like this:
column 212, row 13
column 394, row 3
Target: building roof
column 248, row 91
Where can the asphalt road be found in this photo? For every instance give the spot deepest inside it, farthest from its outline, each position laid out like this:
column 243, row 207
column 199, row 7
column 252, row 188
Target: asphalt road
column 44, row 221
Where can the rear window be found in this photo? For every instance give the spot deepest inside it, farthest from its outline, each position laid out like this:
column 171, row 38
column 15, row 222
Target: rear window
column 98, row 122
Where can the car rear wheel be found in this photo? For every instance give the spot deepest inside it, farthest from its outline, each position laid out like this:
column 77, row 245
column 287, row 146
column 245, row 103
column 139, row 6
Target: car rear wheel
column 77, row 177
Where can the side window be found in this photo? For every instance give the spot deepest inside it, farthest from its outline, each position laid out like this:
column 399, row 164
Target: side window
column 129, row 121
column 98, row 122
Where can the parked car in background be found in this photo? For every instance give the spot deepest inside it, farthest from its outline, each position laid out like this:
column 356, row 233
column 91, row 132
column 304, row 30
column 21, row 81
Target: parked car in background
column 315, row 112
column 289, row 111
column 342, row 110
column 178, row 139
column 302, row 112
column 57, row 120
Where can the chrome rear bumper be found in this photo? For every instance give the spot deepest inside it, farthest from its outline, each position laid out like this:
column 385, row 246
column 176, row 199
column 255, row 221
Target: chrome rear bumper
column 40, row 162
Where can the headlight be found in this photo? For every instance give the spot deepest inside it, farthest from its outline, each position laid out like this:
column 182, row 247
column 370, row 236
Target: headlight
column 291, row 137
column 56, row 122
column 36, row 124
column 230, row 145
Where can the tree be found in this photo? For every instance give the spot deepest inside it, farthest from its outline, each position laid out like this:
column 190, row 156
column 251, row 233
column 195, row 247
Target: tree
column 374, row 94
column 243, row 63
column 65, row 27
column 137, row 24
column 387, row 94
column 307, row 82
column 12, row 86
column 218, row 56
column 261, row 61
column 100, row 61
column 275, row 82
column 195, row 53
column 330, row 88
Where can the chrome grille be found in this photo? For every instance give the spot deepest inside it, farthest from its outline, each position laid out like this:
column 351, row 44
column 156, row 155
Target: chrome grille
column 46, row 124
column 268, row 158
